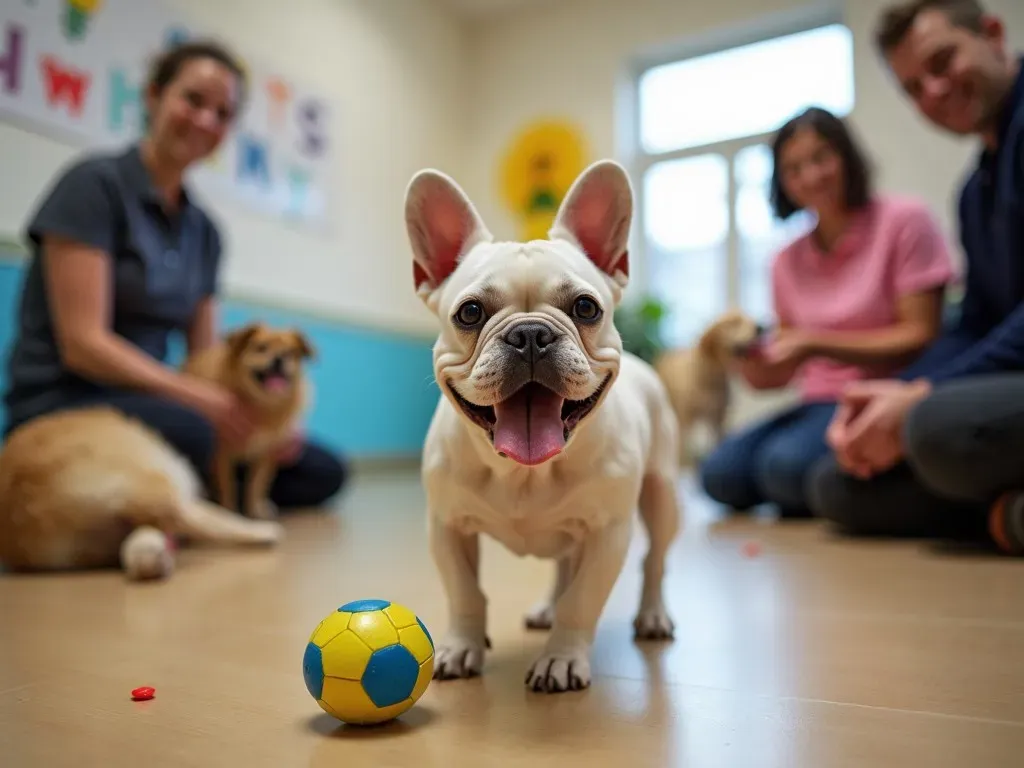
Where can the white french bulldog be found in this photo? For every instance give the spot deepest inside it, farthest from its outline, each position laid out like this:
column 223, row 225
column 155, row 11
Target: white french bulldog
column 548, row 435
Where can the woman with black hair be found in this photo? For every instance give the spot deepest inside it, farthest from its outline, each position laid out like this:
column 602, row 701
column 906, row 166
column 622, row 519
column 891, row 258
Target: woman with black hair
column 859, row 296
column 122, row 257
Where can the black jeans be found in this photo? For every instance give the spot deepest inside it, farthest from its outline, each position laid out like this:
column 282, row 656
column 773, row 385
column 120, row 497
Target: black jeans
column 964, row 448
column 315, row 477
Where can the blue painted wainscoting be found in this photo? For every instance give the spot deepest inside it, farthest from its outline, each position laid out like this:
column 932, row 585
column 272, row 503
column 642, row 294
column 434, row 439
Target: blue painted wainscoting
column 374, row 391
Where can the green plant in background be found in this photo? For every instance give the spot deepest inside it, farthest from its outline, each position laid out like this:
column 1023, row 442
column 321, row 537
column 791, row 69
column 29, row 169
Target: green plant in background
column 639, row 325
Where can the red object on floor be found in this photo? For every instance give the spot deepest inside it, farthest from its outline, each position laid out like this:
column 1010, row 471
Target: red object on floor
column 751, row 549
column 145, row 693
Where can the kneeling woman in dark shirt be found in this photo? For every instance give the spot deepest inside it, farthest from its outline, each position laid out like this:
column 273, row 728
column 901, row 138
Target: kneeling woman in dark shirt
column 123, row 257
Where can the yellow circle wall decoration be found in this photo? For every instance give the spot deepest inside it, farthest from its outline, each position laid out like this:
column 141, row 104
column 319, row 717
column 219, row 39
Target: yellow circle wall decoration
column 537, row 170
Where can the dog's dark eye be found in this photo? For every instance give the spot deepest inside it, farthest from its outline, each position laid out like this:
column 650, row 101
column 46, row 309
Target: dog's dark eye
column 469, row 314
column 586, row 309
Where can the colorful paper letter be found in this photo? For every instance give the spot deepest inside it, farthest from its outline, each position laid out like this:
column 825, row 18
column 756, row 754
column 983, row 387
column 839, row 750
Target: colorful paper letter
column 122, row 94
column 10, row 60
column 253, row 161
column 278, row 94
column 65, row 84
column 313, row 141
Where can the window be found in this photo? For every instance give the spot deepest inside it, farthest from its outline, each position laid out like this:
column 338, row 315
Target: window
column 704, row 126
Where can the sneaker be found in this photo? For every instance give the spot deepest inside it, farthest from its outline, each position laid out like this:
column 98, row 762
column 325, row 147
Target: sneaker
column 1006, row 523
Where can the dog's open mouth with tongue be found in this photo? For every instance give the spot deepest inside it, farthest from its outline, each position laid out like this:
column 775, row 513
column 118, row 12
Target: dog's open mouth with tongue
column 533, row 424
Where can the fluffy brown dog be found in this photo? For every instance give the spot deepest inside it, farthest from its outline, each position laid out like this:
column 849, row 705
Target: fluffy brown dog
column 264, row 367
column 92, row 488
column 698, row 378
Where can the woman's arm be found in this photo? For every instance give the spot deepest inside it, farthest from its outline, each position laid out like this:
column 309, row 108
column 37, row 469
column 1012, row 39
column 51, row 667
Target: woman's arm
column 79, row 289
column 202, row 331
column 919, row 323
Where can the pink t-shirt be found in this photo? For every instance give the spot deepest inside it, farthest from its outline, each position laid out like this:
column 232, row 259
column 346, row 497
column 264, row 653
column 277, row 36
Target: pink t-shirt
column 892, row 248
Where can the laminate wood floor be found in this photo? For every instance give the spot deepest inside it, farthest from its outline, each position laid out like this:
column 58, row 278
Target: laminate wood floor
column 813, row 652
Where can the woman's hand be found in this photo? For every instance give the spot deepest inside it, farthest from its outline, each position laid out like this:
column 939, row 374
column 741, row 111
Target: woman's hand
column 789, row 349
column 774, row 364
column 230, row 417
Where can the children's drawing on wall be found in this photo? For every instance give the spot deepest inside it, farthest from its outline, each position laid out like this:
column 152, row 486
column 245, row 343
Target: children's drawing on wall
column 74, row 69
column 537, row 170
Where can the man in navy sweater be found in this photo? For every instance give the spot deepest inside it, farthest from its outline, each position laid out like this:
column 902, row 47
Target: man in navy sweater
column 940, row 452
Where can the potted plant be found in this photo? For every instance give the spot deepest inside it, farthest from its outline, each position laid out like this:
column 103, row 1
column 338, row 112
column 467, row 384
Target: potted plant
column 639, row 325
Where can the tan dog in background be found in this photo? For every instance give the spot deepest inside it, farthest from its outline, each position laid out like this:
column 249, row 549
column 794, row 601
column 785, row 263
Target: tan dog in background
column 697, row 378
column 264, row 367
column 92, row 488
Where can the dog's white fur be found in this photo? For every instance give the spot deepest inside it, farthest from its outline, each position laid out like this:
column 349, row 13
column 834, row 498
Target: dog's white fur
column 578, row 507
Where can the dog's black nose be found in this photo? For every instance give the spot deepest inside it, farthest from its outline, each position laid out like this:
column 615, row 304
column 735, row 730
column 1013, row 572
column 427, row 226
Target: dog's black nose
column 277, row 365
column 530, row 340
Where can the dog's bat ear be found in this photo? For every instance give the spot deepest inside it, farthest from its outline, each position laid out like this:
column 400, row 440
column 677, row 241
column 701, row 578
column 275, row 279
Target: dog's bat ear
column 306, row 347
column 596, row 215
column 238, row 338
column 443, row 226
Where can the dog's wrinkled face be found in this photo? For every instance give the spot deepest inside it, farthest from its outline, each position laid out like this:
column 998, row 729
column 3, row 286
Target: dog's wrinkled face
column 732, row 335
column 266, row 362
column 527, row 348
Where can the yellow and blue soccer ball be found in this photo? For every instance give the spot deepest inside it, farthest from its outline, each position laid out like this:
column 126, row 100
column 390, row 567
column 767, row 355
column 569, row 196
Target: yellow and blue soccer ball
column 368, row 662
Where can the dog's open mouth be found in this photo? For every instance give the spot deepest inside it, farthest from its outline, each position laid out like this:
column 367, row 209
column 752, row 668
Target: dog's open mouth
column 272, row 379
column 532, row 425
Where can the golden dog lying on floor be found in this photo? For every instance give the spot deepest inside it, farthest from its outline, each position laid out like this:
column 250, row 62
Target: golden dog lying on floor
column 93, row 488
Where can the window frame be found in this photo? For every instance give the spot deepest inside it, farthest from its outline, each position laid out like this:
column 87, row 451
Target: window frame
column 762, row 29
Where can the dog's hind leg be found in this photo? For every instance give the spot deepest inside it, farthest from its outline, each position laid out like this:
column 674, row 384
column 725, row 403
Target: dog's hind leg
column 659, row 510
column 147, row 554
column 156, row 510
column 543, row 614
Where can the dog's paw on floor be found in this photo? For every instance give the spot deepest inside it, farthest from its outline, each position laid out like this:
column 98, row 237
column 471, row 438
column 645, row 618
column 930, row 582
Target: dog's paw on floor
column 653, row 623
column 459, row 657
column 557, row 673
column 147, row 554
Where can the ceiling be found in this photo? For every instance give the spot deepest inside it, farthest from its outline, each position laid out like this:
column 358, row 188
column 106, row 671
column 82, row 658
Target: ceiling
column 477, row 9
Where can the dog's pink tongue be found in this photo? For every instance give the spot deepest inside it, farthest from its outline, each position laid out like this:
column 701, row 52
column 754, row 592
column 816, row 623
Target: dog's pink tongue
column 529, row 425
column 276, row 383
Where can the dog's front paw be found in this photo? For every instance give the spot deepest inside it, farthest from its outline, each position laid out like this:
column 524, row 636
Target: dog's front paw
column 559, row 672
column 459, row 657
column 653, row 623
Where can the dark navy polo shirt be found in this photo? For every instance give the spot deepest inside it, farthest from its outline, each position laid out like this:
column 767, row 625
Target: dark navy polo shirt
column 163, row 265
column 989, row 336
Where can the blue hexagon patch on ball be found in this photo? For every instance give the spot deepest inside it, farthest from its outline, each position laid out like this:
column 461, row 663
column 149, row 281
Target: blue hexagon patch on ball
column 390, row 676
column 364, row 606
column 313, row 670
